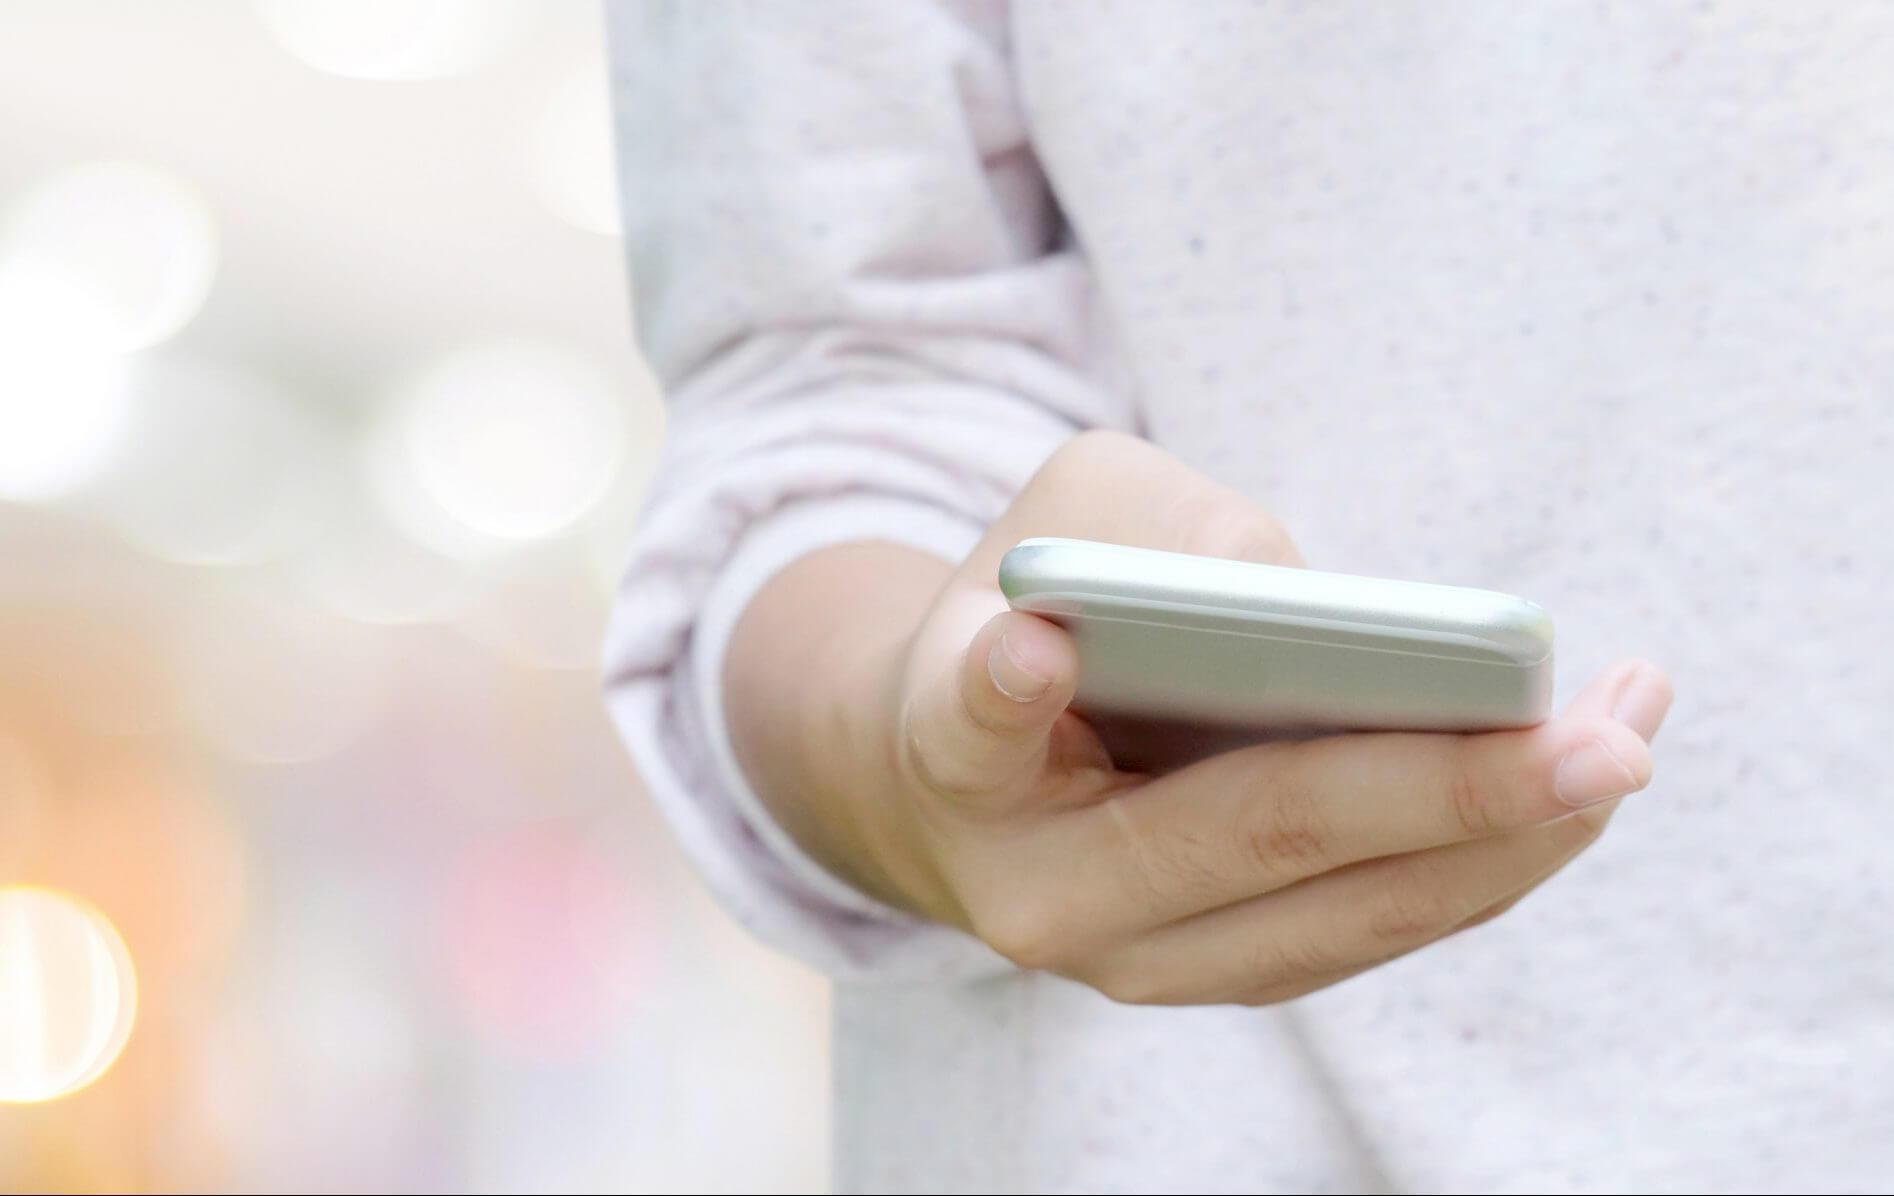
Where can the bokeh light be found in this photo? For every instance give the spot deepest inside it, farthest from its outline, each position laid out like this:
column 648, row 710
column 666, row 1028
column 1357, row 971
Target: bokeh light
column 394, row 39
column 503, row 442
column 68, row 995
column 159, row 854
column 63, row 402
column 570, row 161
column 543, row 938
column 225, row 469
column 140, row 245
column 302, row 577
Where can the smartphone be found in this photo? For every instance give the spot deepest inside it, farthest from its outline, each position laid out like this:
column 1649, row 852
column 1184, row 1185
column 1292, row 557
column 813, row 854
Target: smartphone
column 1181, row 655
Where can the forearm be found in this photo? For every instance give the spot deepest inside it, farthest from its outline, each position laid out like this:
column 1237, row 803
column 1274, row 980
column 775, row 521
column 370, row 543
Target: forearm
column 811, row 676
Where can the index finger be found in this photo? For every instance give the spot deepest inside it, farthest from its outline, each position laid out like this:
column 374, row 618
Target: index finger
column 1262, row 818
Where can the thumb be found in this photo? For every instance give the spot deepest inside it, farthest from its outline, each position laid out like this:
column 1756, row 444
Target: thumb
column 983, row 726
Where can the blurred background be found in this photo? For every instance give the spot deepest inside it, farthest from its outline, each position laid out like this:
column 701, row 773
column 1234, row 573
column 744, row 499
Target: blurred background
column 321, row 433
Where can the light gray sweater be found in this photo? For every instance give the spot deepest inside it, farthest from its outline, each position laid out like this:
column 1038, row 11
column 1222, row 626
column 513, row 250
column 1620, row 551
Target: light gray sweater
column 1590, row 302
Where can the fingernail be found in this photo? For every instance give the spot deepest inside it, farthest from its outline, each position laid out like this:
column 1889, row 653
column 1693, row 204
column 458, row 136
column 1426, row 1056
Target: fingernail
column 1590, row 774
column 1643, row 704
column 1011, row 676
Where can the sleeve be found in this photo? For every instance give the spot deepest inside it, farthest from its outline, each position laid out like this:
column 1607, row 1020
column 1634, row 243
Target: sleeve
column 847, row 277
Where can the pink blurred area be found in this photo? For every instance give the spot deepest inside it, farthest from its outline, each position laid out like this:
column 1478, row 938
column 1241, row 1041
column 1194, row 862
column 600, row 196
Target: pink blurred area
column 321, row 432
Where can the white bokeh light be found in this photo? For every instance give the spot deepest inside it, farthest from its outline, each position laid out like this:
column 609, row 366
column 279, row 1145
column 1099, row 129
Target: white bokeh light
column 68, row 995
column 226, row 468
column 570, row 159
column 395, row 39
column 63, row 402
column 138, row 243
column 498, row 444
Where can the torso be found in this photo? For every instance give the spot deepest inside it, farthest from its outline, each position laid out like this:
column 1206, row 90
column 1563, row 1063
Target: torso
column 1590, row 303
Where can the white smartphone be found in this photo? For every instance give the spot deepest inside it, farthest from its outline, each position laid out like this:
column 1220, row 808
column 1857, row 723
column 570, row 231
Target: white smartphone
column 1183, row 655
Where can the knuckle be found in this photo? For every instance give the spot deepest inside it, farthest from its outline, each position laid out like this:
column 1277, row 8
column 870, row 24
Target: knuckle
column 1296, row 962
column 1290, row 839
column 1170, row 868
column 1473, row 802
column 942, row 755
column 1176, row 868
column 932, row 768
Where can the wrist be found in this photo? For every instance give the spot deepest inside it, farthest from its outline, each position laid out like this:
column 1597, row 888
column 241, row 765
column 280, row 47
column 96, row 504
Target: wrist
column 856, row 746
column 812, row 691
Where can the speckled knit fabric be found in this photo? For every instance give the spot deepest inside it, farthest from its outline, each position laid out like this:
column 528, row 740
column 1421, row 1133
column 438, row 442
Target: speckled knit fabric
column 1589, row 302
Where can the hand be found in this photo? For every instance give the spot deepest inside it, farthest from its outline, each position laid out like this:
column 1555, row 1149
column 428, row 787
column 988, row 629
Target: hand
column 976, row 798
